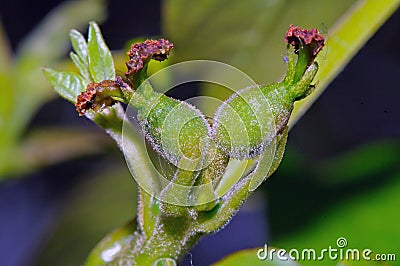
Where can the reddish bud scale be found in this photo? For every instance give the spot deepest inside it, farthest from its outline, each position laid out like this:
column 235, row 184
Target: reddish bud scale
column 97, row 96
column 140, row 53
column 311, row 39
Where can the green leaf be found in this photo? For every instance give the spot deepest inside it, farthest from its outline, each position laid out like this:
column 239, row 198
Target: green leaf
column 82, row 66
column 246, row 34
column 79, row 44
column 49, row 146
column 68, row 84
column 367, row 161
column 249, row 257
column 101, row 63
column 112, row 244
column 90, row 213
column 81, row 55
column 368, row 220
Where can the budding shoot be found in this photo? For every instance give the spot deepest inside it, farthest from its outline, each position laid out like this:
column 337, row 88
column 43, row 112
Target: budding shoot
column 243, row 124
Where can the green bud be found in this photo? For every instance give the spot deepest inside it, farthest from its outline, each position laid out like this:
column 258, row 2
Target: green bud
column 250, row 119
column 175, row 129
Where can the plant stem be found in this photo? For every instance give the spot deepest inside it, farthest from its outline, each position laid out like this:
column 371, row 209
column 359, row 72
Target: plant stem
column 171, row 238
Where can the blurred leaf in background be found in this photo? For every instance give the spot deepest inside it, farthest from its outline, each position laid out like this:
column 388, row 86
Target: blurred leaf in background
column 352, row 195
column 244, row 34
column 95, row 208
column 24, row 88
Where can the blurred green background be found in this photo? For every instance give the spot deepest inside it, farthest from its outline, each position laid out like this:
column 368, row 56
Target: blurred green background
column 63, row 184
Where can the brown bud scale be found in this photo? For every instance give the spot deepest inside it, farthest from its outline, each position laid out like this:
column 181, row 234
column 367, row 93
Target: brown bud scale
column 298, row 37
column 149, row 49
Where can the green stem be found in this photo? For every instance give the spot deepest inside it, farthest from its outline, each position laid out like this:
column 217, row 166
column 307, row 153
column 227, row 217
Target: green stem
column 171, row 239
column 303, row 62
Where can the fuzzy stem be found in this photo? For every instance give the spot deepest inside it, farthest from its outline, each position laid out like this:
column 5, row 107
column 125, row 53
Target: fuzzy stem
column 172, row 238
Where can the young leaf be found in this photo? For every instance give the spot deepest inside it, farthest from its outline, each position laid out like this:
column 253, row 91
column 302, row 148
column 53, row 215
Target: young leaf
column 82, row 66
column 101, row 64
column 79, row 44
column 106, row 251
column 67, row 84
